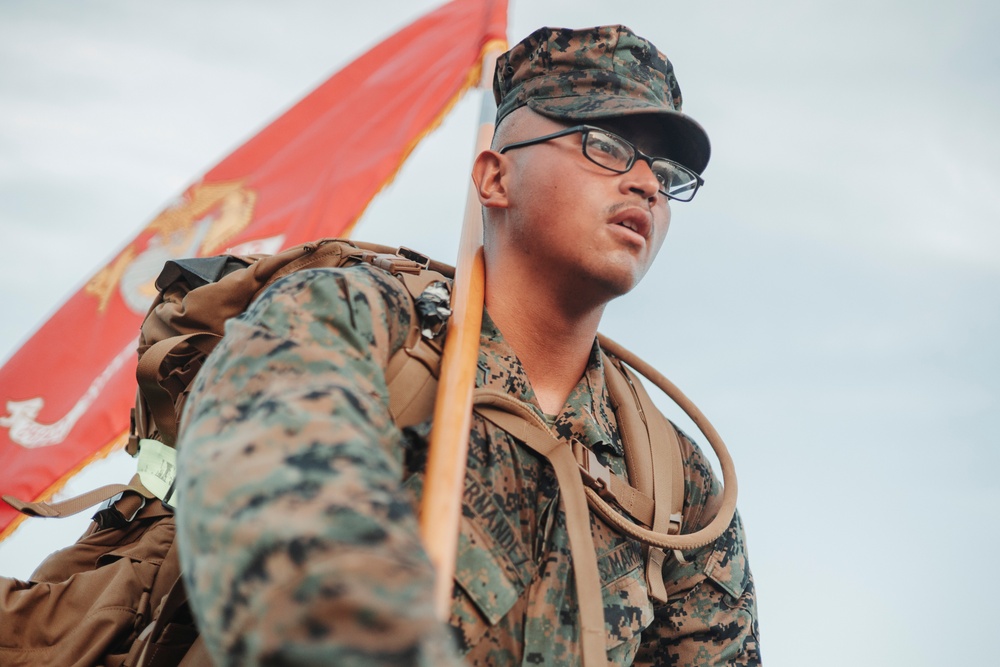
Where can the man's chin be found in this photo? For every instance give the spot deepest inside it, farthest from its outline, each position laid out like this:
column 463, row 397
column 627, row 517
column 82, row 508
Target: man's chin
column 618, row 284
column 622, row 277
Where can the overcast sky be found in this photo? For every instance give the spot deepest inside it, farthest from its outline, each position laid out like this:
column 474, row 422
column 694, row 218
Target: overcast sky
column 830, row 300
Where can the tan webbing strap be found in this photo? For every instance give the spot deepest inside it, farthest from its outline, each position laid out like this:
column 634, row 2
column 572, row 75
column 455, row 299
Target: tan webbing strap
column 646, row 438
column 668, row 487
column 513, row 417
column 665, row 451
column 655, row 558
column 612, row 486
column 77, row 504
column 411, row 374
column 631, row 419
column 678, row 488
column 668, row 479
column 411, row 389
column 159, row 400
column 66, row 507
column 639, row 505
column 668, row 491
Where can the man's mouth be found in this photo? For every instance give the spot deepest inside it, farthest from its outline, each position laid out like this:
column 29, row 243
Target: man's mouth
column 636, row 220
column 631, row 225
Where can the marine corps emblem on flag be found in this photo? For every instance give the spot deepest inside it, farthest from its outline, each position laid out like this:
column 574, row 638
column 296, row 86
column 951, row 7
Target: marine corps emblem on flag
column 208, row 216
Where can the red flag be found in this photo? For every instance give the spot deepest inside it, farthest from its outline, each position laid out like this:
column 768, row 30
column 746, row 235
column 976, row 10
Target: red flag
column 65, row 395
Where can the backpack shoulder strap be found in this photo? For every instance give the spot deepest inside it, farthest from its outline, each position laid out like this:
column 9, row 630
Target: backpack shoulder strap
column 517, row 419
column 725, row 508
column 412, row 372
column 653, row 459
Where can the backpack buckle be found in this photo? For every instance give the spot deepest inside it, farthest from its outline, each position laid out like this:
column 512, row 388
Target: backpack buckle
column 423, row 260
column 110, row 516
column 394, row 264
column 595, row 474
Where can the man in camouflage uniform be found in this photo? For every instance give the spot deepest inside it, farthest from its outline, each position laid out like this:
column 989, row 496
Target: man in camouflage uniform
column 297, row 522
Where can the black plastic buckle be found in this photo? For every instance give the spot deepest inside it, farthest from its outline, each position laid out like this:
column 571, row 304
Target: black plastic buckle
column 423, row 260
column 110, row 517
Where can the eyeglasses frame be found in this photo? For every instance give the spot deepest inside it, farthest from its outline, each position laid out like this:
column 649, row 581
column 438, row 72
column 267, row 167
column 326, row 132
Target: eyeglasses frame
column 636, row 154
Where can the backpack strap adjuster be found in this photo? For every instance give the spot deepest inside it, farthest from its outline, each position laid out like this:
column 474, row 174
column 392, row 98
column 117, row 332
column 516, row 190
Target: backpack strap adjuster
column 394, row 264
column 110, row 515
column 423, row 260
column 595, row 474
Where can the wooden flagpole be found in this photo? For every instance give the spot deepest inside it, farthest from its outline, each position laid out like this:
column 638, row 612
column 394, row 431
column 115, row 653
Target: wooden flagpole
column 444, row 483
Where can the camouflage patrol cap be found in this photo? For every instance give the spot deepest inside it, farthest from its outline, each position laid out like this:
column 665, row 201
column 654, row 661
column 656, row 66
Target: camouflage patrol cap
column 602, row 72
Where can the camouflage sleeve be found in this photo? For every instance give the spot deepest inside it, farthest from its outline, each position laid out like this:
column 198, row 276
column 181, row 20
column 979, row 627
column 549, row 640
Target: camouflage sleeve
column 711, row 616
column 298, row 543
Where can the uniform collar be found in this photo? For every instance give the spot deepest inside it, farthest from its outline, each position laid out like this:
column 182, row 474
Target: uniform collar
column 586, row 416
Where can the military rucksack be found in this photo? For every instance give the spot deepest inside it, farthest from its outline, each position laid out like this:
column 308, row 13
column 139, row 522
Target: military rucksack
column 121, row 597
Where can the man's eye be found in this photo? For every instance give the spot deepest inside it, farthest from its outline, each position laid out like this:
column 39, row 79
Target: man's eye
column 607, row 147
column 665, row 177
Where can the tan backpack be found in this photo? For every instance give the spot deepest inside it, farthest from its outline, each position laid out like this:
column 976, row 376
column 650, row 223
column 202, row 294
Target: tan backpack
column 116, row 596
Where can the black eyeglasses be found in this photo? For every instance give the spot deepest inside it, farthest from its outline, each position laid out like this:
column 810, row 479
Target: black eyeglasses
column 610, row 151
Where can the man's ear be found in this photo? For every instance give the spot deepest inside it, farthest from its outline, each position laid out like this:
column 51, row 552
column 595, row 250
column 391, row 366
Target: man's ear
column 489, row 174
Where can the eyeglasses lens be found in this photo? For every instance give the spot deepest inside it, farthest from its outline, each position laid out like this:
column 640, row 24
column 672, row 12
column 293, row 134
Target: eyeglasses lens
column 612, row 152
column 607, row 150
column 676, row 183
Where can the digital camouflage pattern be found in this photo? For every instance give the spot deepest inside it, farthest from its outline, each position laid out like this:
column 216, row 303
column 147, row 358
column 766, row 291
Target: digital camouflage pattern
column 297, row 521
column 602, row 72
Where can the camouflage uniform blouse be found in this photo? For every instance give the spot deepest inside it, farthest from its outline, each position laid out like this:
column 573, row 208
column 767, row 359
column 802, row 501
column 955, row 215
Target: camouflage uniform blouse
column 297, row 523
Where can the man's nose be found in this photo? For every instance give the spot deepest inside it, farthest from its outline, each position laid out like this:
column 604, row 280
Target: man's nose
column 641, row 179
